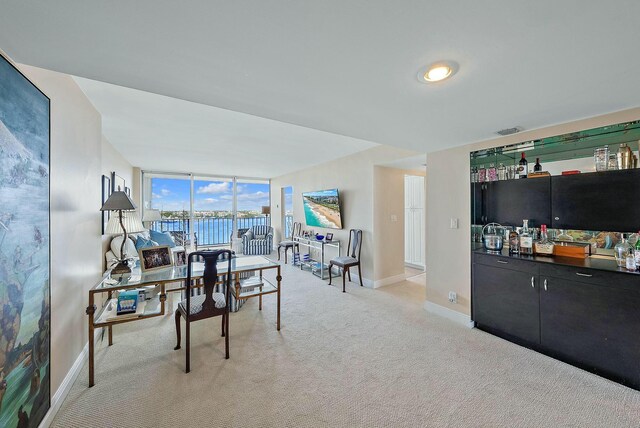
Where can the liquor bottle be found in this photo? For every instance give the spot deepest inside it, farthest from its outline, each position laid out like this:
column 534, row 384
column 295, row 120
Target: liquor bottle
column 637, row 253
column 622, row 250
column 537, row 167
column 514, row 242
column 523, row 166
column 544, row 247
column 526, row 240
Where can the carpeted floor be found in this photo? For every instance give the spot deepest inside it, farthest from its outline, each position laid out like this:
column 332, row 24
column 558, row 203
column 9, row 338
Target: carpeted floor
column 367, row 358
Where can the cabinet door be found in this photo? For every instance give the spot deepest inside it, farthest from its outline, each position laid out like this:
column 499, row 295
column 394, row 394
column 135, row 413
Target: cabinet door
column 597, row 201
column 593, row 326
column 511, row 201
column 507, row 301
column 478, row 210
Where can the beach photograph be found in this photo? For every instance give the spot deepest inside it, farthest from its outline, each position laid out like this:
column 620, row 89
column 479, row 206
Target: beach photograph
column 322, row 209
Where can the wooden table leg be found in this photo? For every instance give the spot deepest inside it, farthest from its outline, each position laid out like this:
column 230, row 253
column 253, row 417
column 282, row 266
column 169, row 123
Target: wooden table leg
column 91, row 309
column 110, row 335
column 279, row 279
column 260, row 297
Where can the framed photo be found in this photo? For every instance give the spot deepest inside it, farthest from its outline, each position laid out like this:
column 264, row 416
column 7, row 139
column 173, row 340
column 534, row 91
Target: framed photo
column 106, row 192
column 329, row 237
column 180, row 258
column 117, row 183
column 154, row 258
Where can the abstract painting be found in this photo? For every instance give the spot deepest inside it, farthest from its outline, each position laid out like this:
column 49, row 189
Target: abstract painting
column 24, row 251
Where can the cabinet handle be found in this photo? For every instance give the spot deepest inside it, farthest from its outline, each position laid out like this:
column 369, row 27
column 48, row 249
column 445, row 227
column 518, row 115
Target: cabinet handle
column 545, row 285
column 503, row 262
column 584, row 274
column 533, row 282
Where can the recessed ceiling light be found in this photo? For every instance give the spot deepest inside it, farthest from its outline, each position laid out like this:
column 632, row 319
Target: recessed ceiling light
column 437, row 72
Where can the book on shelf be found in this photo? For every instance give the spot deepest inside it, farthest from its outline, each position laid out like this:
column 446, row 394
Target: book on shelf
column 249, row 284
column 127, row 302
column 111, row 312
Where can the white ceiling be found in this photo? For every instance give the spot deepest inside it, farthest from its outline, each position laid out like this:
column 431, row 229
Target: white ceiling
column 161, row 133
column 349, row 67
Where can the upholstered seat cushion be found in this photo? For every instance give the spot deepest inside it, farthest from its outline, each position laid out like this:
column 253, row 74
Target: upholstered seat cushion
column 287, row 243
column 197, row 301
column 344, row 260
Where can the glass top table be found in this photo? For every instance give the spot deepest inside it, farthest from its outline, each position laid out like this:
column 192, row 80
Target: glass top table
column 110, row 285
column 137, row 278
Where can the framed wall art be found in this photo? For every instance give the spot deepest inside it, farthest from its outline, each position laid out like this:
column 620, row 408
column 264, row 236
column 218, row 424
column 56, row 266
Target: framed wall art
column 25, row 333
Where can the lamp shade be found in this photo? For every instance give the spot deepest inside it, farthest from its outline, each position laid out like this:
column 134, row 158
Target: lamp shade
column 118, row 201
column 151, row 215
column 266, row 210
column 131, row 222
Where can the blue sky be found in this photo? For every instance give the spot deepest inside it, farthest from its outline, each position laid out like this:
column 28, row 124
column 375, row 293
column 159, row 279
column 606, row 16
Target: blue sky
column 172, row 194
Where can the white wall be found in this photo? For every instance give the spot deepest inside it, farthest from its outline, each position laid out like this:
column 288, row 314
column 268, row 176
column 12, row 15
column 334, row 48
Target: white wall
column 76, row 138
column 448, row 195
column 354, row 176
column 112, row 160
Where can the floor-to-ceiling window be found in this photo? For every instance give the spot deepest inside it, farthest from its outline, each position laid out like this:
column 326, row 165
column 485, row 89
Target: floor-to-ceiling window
column 206, row 209
column 287, row 212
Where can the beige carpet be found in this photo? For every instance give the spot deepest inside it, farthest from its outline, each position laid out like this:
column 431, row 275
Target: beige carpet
column 367, row 358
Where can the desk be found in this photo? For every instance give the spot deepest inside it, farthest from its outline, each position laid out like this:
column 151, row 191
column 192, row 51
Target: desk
column 157, row 281
column 317, row 268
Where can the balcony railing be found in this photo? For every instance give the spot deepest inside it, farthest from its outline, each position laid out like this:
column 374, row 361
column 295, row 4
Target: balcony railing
column 208, row 230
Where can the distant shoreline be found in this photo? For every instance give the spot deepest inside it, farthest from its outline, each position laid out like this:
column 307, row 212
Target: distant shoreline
column 332, row 216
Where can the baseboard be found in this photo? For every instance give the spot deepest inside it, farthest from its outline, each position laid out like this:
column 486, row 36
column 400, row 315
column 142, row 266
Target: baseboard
column 414, row 266
column 65, row 387
column 389, row 280
column 450, row 314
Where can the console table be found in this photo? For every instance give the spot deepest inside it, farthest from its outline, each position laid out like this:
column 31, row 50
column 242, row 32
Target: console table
column 317, row 268
column 157, row 282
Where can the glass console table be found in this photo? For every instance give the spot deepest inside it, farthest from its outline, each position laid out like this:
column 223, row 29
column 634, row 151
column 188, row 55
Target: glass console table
column 318, row 268
column 156, row 283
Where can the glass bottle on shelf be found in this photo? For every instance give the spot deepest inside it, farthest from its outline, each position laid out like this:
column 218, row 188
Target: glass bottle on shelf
column 474, row 174
column 622, row 250
column 514, row 242
column 564, row 236
column 492, row 173
column 526, row 240
column 523, row 167
column 482, row 174
column 544, row 246
column 502, row 172
column 601, row 158
column 537, row 167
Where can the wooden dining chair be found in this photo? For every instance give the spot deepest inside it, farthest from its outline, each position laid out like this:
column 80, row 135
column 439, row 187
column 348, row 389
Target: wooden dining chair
column 352, row 259
column 290, row 243
column 201, row 305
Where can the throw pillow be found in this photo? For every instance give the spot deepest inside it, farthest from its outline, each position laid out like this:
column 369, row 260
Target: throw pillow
column 144, row 243
column 162, row 238
column 129, row 247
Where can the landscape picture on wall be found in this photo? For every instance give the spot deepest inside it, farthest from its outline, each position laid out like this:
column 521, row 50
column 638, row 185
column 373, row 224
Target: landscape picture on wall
column 322, row 208
column 24, row 251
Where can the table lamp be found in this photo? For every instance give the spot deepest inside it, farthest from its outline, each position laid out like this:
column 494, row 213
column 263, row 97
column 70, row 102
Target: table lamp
column 150, row 216
column 127, row 221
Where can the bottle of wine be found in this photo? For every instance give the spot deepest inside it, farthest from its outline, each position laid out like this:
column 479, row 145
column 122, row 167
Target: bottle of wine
column 523, row 167
column 544, row 246
column 526, row 240
column 537, row 167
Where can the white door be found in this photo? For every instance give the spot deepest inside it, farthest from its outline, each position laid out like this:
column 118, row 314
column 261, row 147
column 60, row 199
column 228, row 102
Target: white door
column 414, row 219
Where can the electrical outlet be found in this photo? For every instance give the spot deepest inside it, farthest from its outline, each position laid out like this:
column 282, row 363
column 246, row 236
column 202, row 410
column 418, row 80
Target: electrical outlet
column 453, row 223
column 394, row 218
column 453, row 297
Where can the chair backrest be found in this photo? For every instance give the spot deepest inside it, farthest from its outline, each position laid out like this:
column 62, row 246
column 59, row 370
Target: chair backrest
column 261, row 229
column 210, row 277
column 295, row 229
column 355, row 243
